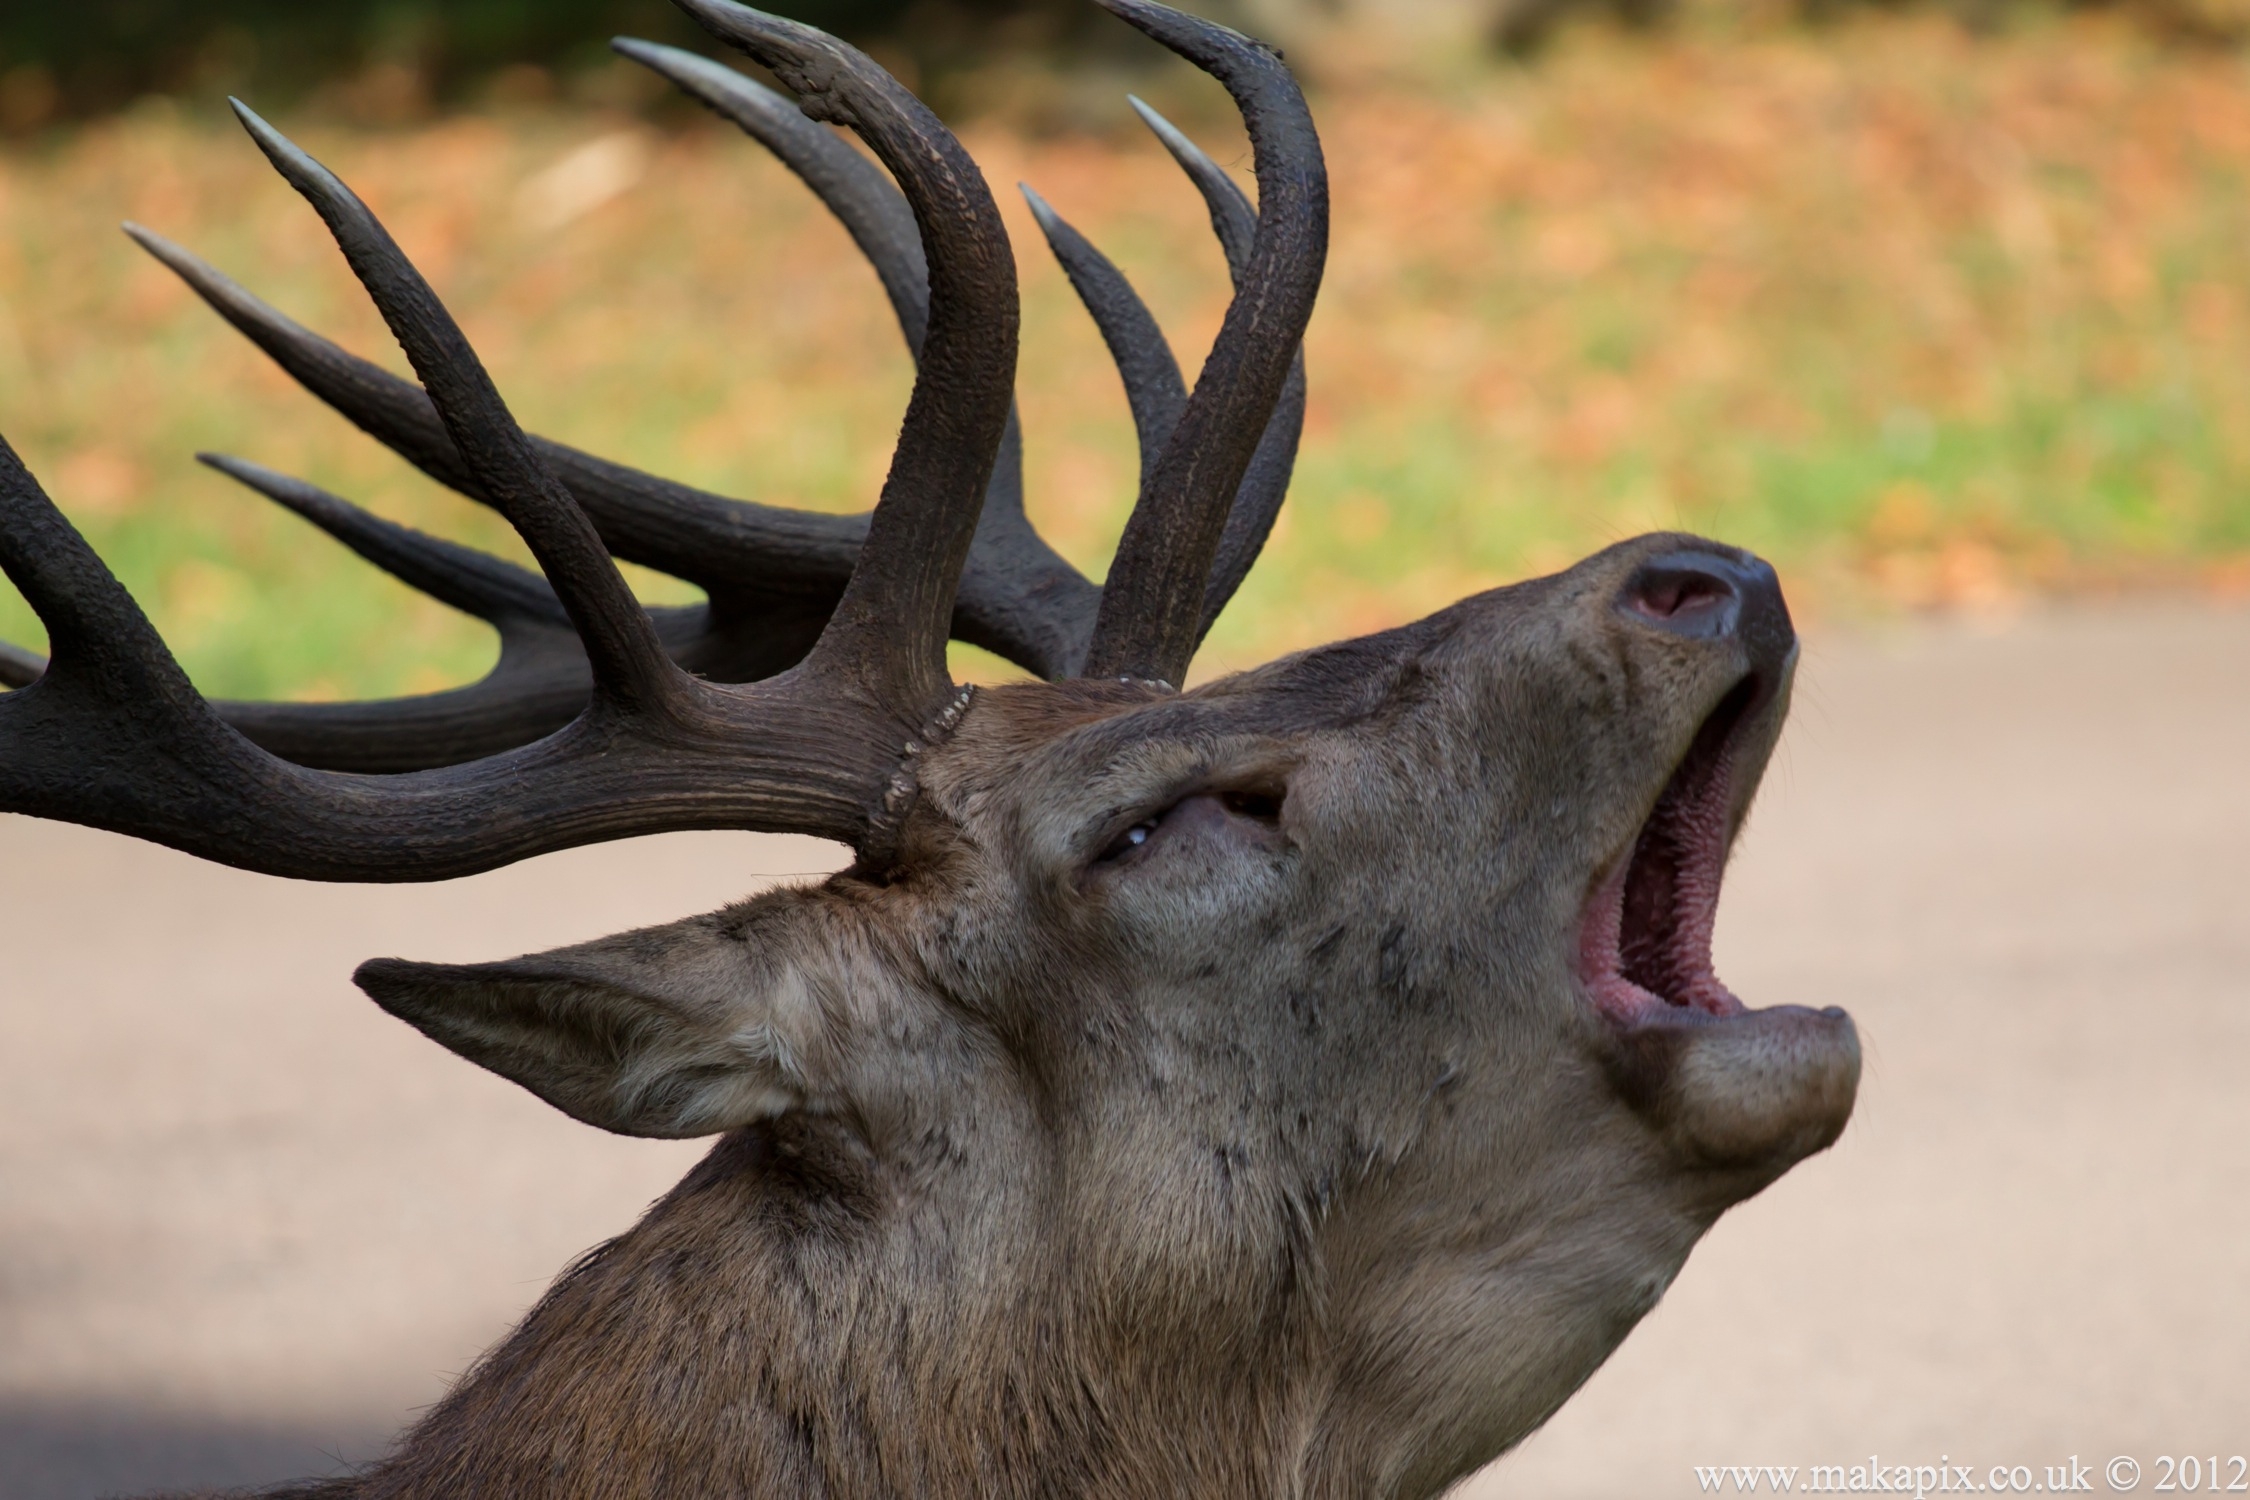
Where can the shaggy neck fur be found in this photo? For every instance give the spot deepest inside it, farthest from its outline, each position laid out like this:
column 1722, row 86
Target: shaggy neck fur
column 826, row 1352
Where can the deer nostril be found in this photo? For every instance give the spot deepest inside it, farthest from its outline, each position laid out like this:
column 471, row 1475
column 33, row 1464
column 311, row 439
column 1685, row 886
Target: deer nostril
column 1693, row 594
column 1713, row 596
column 1668, row 595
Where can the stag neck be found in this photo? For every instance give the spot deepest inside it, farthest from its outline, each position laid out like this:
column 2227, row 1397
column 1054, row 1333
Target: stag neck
column 662, row 1352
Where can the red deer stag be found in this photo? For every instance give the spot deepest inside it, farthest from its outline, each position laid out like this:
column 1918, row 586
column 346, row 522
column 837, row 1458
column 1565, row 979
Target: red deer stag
column 1296, row 1085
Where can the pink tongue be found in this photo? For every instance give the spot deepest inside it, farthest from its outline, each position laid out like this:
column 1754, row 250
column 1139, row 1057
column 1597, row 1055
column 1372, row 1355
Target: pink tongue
column 1686, row 966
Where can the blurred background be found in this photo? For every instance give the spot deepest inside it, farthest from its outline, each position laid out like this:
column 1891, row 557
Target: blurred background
column 1938, row 307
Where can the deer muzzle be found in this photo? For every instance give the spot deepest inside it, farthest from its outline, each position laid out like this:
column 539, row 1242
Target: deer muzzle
column 1732, row 1087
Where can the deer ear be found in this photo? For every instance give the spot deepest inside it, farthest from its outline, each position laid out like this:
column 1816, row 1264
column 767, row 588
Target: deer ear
column 682, row 1030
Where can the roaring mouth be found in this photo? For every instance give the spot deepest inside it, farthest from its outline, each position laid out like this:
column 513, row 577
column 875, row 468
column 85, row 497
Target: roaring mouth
column 1644, row 949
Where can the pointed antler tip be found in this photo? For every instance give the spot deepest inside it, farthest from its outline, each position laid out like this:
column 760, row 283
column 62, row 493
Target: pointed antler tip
column 1175, row 139
column 280, row 488
column 154, row 243
column 149, row 240
column 290, row 159
column 650, row 54
column 271, row 483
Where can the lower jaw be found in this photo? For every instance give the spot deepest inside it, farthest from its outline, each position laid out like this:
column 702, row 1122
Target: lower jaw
column 1628, row 1004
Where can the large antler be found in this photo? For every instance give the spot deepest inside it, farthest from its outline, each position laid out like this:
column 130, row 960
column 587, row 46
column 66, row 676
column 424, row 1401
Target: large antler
column 772, row 576
column 113, row 735
column 110, row 733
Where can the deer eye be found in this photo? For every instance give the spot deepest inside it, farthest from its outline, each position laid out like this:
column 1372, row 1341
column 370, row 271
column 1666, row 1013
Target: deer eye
column 1256, row 808
column 1131, row 839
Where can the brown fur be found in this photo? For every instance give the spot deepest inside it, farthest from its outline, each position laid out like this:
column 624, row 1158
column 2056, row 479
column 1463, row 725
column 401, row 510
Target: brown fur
column 1283, row 1157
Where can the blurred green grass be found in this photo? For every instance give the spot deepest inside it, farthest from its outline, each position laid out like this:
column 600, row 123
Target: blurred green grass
column 1932, row 320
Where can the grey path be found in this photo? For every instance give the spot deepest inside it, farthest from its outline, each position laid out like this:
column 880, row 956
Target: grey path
column 248, row 1225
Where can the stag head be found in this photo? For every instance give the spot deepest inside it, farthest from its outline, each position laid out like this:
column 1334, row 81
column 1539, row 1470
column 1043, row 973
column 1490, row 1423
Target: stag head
column 1296, row 1084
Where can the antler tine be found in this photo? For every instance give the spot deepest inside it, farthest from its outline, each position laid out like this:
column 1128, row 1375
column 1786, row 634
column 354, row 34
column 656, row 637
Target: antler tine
column 1258, row 502
column 890, row 627
column 880, row 221
column 728, row 547
column 872, row 211
column 1264, row 486
column 539, row 684
column 1154, row 390
column 92, row 623
column 18, row 667
column 157, row 763
column 631, row 670
column 1153, row 604
column 1233, row 219
column 463, row 577
column 395, row 412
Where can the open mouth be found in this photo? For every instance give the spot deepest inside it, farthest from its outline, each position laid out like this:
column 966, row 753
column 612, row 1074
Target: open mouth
column 1645, row 947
